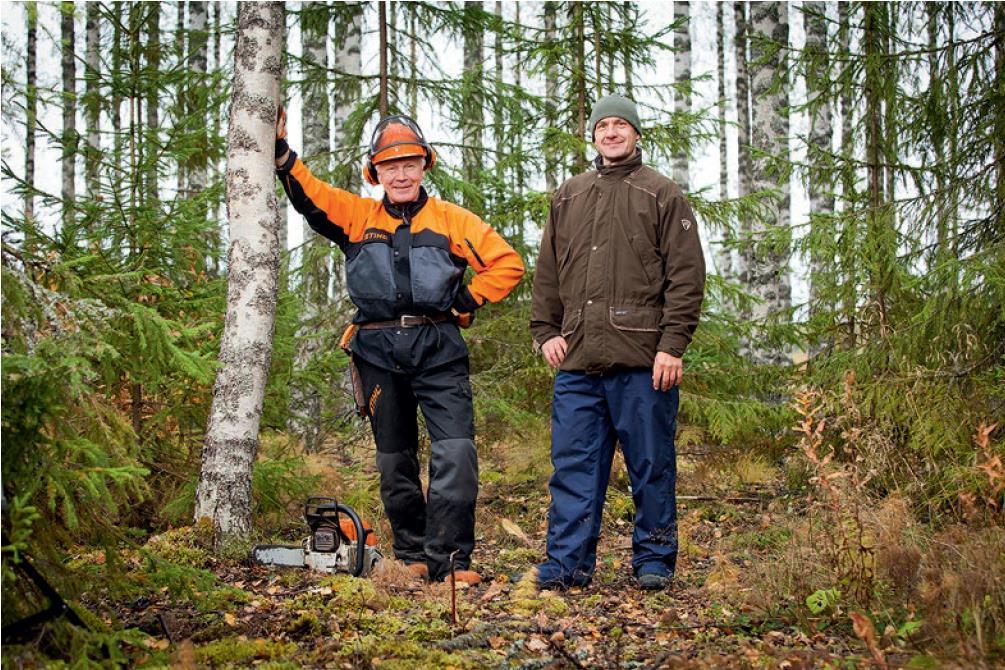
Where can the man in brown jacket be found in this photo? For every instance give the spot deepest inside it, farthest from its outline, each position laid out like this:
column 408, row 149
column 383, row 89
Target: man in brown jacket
column 617, row 294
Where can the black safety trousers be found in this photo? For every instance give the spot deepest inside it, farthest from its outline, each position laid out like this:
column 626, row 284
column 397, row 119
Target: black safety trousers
column 427, row 529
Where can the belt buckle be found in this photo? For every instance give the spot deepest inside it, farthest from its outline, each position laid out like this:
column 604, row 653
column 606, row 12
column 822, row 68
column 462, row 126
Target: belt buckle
column 409, row 321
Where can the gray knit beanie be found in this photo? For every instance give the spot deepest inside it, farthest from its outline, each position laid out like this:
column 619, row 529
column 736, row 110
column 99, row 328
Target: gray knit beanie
column 615, row 105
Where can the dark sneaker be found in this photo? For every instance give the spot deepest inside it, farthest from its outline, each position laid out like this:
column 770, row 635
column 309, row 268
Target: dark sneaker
column 548, row 584
column 652, row 581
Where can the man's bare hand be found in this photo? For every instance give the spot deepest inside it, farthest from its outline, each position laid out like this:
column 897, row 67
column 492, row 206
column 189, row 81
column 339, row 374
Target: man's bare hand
column 281, row 135
column 554, row 350
column 667, row 371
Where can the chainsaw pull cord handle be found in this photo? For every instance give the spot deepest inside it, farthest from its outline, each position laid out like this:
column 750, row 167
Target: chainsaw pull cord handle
column 360, row 537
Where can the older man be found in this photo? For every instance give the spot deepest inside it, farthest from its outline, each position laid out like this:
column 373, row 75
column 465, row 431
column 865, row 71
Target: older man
column 617, row 294
column 405, row 260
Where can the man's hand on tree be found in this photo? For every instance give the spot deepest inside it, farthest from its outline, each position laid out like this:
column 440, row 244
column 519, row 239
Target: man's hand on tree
column 667, row 371
column 554, row 351
column 282, row 148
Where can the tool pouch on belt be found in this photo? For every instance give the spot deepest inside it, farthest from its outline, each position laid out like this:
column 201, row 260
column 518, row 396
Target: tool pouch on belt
column 357, row 384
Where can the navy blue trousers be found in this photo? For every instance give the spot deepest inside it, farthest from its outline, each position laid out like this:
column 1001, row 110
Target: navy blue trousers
column 590, row 413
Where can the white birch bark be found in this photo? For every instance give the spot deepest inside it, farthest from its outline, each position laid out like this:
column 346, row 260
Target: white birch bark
column 69, row 137
column 682, row 75
column 305, row 401
column 767, row 274
column 92, row 106
column 224, row 491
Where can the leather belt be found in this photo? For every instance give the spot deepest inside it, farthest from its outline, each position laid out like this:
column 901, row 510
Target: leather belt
column 407, row 321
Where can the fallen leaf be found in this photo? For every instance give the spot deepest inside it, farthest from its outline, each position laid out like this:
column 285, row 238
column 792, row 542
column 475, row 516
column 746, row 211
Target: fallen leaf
column 497, row 642
column 867, row 633
column 515, row 531
column 493, row 591
column 230, row 619
column 537, row 644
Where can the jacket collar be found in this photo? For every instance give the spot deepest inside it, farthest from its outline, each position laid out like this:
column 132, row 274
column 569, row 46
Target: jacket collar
column 622, row 169
column 407, row 210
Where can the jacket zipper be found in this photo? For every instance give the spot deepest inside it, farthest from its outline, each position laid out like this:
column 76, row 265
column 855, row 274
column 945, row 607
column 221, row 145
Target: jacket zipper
column 477, row 257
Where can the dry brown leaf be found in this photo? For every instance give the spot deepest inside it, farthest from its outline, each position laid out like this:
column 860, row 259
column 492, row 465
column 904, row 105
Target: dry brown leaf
column 536, row 643
column 867, row 633
column 514, row 530
column 230, row 619
column 492, row 592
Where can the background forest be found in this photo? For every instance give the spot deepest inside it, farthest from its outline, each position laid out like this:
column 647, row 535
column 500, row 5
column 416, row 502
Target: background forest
column 842, row 412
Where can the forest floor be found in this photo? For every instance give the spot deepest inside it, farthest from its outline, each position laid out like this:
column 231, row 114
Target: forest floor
column 731, row 518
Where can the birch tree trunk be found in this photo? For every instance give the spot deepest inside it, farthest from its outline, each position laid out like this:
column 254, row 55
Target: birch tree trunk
column 224, row 491
column 69, row 137
column 305, row 400
column 92, row 102
column 30, row 122
column 682, row 76
column 767, row 274
column 472, row 106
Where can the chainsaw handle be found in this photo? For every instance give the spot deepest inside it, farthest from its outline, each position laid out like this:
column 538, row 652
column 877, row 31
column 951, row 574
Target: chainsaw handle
column 360, row 537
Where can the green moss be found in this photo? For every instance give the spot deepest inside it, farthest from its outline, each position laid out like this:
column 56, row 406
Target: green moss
column 519, row 556
column 238, row 651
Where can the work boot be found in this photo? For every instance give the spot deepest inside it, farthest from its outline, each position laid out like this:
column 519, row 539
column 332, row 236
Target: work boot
column 654, row 581
column 420, row 570
column 469, row 577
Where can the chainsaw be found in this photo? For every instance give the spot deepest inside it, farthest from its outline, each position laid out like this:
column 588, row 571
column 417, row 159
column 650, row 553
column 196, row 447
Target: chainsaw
column 339, row 542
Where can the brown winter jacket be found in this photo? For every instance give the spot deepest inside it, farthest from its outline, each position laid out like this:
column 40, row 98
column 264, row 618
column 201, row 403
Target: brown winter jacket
column 621, row 273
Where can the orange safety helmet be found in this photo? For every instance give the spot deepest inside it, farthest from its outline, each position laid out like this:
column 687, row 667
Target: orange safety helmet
column 396, row 137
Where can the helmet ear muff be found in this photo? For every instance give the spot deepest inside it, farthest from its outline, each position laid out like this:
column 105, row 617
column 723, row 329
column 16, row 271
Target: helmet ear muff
column 370, row 173
column 430, row 157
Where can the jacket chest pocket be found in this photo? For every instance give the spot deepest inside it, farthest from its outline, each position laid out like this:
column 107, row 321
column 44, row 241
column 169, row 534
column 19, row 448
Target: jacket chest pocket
column 435, row 277
column 370, row 273
column 649, row 260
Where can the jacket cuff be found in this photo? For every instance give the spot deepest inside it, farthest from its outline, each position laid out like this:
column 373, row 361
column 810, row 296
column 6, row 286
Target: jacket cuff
column 542, row 332
column 288, row 165
column 465, row 303
column 672, row 344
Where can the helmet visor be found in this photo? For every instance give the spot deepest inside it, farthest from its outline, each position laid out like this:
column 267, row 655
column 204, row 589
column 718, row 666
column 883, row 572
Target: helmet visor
column 397, row 137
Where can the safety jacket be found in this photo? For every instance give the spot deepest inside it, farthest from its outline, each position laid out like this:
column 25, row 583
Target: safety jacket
column 407, row 259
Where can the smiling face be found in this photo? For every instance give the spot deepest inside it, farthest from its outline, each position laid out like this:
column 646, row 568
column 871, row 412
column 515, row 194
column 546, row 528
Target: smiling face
column 401, row 178
column 615, row 139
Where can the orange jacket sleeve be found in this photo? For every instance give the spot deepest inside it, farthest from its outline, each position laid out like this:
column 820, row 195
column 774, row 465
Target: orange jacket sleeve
column 497, row 265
